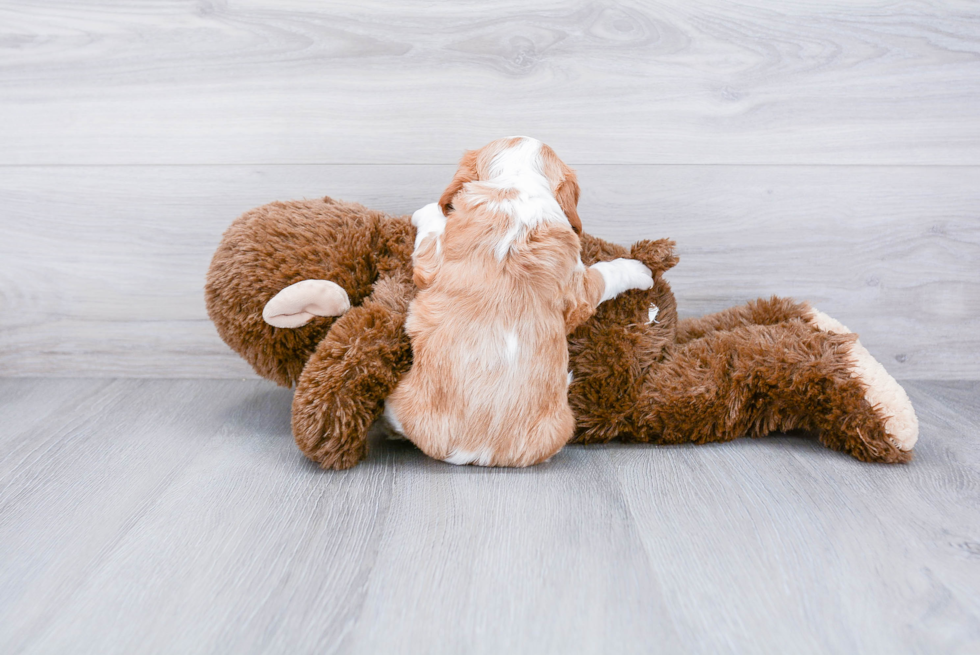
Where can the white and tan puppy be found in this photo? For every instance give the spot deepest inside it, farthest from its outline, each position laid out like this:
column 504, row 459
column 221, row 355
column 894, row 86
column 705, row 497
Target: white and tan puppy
column 501, row 285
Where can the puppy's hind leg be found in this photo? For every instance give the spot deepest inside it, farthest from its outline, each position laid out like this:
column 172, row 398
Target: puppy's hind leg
column 544, row 440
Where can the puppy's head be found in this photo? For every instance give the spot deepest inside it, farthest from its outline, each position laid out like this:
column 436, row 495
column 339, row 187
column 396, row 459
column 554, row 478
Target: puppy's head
column 516, row 156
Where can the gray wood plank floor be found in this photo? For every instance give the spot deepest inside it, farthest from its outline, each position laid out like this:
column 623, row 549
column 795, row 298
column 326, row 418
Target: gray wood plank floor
column 155, row 516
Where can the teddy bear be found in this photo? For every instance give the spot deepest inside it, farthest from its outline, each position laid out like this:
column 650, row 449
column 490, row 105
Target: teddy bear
column 638, row 374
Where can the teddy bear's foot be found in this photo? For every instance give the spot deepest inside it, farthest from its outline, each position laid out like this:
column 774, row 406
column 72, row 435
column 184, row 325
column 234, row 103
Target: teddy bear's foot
column 884, row 393
column 355, row 367
column 343, row 387
column 299, row 303
column 756, row 380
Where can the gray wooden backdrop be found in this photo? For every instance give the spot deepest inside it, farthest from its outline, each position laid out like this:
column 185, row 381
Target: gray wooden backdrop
column 827, row 150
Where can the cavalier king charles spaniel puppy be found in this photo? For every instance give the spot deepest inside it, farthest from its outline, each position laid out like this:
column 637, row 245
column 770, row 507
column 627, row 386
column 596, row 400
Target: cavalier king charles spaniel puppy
column 501, row 284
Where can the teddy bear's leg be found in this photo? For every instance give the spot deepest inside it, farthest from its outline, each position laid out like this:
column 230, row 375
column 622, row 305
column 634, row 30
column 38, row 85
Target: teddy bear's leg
column 764, row 311
column 342, row 388
column 883, row 390
column 757, row 379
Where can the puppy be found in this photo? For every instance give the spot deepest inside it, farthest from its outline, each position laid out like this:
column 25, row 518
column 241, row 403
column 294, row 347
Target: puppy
column 501, row 284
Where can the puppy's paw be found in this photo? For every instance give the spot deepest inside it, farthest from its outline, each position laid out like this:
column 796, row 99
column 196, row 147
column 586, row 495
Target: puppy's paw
column 429, row 213
column 297, row 304
column 622, row 275
column 637, row 273
column 428, row 221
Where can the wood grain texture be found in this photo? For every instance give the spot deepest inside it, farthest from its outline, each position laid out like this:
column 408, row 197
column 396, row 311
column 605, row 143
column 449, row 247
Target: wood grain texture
column 141, row 516
column 778, row 552
column 824, row 150
column 303, row 81
column 102, row 268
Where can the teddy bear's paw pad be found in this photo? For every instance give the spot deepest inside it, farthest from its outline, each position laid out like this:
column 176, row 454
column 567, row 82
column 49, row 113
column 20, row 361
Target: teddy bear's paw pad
column 884, row 393
column 297, row 304
column 887, row 396
column 826, row 323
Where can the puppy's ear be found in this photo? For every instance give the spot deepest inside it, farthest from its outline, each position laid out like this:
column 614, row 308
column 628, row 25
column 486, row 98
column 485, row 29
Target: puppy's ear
column 567, row 197
column 465, row 173
column 566, row 193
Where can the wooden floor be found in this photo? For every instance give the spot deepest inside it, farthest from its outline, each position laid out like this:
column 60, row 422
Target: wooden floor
column 149, row 516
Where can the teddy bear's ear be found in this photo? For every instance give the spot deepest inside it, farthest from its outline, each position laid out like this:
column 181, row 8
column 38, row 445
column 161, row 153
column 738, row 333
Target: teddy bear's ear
column 297, row 304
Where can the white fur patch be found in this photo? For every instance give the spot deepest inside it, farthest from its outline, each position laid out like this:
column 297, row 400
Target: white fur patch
column 511, row 347
column 571, row 378
column 532, row 206
column 523, row 157
column 429, row 221
column 504, row 245
column 394, row 426
column 827, row 323
column 622, row 275
column 902, row 425
column 463, row 457
column 519, row 167
column 652, row 314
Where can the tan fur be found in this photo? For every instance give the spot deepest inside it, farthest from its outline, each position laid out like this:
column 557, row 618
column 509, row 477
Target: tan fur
column 489, row 379
column 465, row 172
column 566, row 187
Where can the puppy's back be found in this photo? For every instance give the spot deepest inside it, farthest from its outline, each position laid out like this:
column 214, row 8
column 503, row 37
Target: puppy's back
column 489, row 380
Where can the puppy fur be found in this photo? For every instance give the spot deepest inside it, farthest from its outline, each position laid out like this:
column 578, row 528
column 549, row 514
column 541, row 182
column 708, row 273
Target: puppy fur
column 501, row 285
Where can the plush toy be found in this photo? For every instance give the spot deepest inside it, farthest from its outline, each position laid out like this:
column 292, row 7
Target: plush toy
column 639, row 374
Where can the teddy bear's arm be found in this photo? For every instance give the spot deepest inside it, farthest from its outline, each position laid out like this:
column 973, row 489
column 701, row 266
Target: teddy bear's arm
column 355, row 367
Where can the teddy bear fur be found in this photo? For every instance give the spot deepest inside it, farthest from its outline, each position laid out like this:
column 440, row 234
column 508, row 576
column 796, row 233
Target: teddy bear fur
column 752, row 370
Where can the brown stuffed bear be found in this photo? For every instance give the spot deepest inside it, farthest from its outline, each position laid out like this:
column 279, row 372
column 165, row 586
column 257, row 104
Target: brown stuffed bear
column 639, row 374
